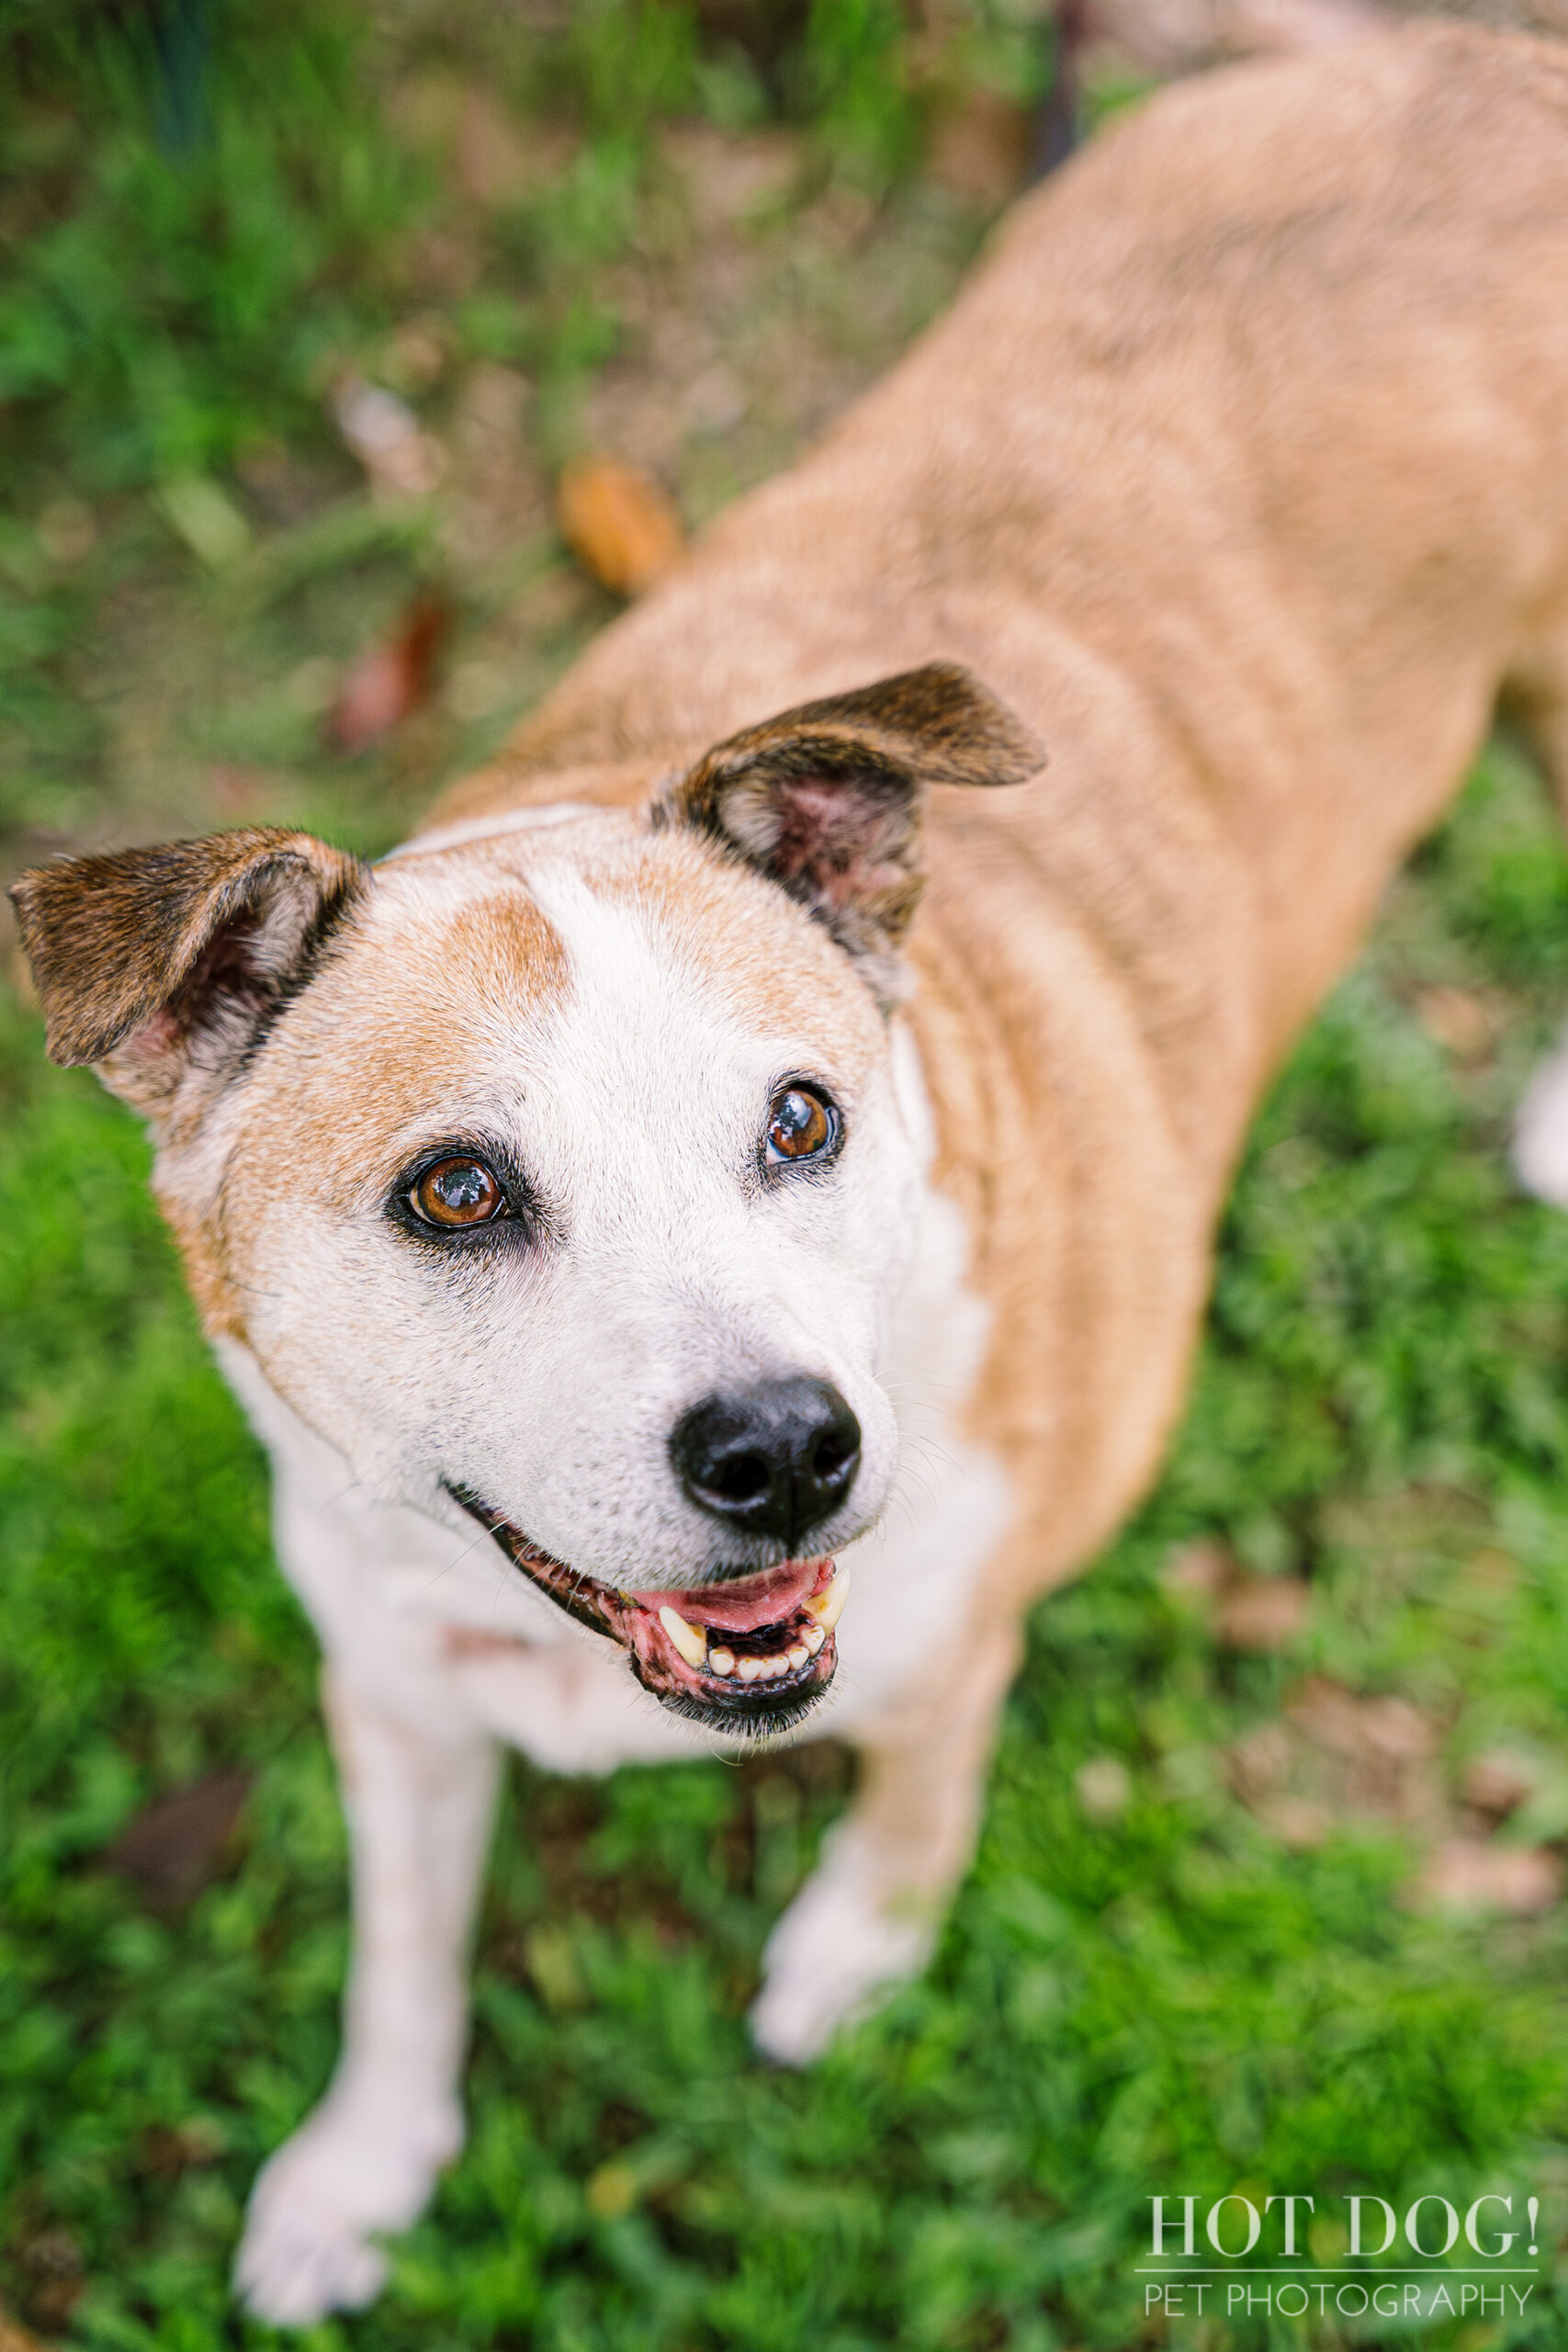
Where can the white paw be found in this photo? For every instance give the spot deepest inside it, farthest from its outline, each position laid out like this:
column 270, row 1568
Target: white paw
column 842, row 1945
column 347, row 2174
column 1540, row 1132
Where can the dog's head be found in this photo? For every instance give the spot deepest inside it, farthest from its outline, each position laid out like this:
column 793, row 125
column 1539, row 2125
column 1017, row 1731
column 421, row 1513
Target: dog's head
column 561, row 1177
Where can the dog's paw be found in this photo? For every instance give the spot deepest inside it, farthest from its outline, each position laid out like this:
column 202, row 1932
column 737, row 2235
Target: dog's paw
column 343, row 2179
column 840, row 1948
column 1540, row 1132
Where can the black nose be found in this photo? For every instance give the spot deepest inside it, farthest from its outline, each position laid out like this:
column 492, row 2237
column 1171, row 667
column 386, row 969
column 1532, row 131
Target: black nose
column 772, row 1460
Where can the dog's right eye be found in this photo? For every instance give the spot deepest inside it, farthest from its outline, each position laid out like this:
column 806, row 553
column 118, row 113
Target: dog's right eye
column 457, row 1192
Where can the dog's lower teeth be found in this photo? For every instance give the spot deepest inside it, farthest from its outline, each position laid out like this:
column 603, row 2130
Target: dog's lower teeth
column 753, row 1669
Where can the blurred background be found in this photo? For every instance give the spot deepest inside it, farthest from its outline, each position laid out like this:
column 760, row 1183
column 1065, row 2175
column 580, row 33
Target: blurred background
column 358, row 360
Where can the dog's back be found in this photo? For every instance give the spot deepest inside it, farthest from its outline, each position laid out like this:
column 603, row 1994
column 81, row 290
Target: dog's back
column 1241, row 468
column 1247, row 452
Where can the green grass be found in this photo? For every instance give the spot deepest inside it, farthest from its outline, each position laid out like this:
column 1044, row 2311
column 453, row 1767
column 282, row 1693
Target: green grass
column 1169, row 2000
column 1166, row 2001
column 200, row 233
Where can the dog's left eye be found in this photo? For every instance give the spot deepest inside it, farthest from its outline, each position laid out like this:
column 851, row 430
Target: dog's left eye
column 457, row 1192
column 801, row 1126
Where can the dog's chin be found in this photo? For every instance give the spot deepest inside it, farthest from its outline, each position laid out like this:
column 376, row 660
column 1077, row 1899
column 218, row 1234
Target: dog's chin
column 752, row 1655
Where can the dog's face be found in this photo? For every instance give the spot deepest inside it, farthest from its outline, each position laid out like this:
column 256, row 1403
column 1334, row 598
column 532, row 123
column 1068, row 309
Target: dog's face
column 560, row 1178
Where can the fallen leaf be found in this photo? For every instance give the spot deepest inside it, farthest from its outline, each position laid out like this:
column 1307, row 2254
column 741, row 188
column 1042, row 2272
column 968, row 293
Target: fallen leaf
column 1297, row 1822
column 1497, row 1781
column 390, row 682
column 1457, row 1021
column 15, row 2337
column 1470, row 1874
column 1333, row 1755
column 623, row 528
column 1354, row 1727
column 1200, row 1569
column 1263, row 1612
column 981, row 150
column 1260, row 1761
column 174, row 1849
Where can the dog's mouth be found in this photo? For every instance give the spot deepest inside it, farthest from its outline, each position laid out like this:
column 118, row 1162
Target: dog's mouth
column 756, row 1651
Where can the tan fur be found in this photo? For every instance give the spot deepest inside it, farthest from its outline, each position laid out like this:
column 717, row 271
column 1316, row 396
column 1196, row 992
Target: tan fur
column 1241, row 472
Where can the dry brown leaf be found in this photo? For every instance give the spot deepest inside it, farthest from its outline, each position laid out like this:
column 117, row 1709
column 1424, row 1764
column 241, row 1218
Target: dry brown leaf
column 622, row 526
column 175, row 1846
column 1388, row 1728
column 1457, row 1021
column 1333, row 1755
column 1497, row 1781
column 1471, row 1874
column 1297, row 1822
column 981, row 149
column 15, row 2337
column 1263, row 1612
column 390, row 682
column 1200, row 1569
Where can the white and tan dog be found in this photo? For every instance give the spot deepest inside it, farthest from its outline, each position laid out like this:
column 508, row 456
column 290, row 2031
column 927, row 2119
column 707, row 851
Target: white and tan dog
column 613, row 1212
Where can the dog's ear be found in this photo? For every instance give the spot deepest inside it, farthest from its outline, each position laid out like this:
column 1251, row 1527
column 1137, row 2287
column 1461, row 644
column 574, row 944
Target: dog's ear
column 827, row 799
column 161, row 964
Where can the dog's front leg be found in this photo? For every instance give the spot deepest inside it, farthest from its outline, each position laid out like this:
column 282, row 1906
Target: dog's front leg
column 869, row 1915
column 419, row 1801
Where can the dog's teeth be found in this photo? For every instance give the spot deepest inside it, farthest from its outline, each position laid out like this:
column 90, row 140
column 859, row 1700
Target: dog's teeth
column 692, row 1641
column 798, row 1654
column 814, row 1638
column 721, row 1661
column 750, row 1668
column 828, row 1607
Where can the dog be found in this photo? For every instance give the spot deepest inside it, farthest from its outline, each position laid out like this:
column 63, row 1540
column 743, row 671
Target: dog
column 624, row 1219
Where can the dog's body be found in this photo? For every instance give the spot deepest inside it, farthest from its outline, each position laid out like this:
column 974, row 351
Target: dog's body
column 1240, row 471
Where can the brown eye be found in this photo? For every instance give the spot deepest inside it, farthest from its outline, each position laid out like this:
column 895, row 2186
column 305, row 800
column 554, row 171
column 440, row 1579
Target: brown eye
column 457, row 1192
column 800, row 1125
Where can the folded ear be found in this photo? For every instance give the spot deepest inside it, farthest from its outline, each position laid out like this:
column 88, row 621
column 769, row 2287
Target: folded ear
column 161, row 965
column 827, row 799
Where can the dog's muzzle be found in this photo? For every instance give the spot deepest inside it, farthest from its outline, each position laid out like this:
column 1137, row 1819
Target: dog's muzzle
column 754, row 1654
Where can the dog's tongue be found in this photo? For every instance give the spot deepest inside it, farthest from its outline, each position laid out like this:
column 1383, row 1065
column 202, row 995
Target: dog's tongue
column 740, row 1607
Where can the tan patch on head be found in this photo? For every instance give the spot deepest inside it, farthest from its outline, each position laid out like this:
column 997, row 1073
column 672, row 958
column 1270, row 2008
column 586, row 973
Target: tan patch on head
column 424, row 1001
column 424, row 1016
column 738, row 937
